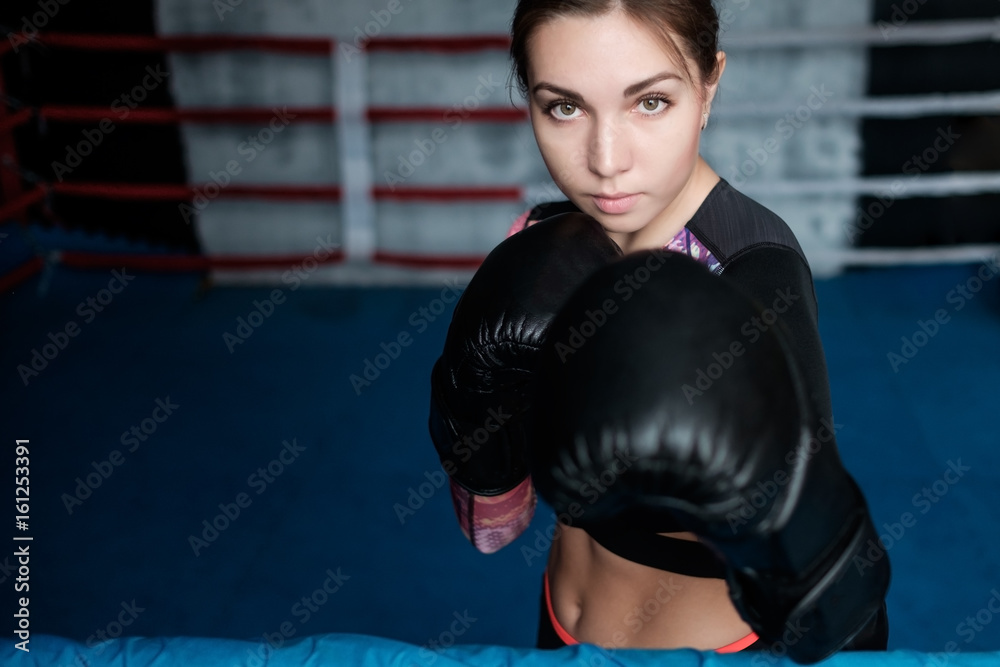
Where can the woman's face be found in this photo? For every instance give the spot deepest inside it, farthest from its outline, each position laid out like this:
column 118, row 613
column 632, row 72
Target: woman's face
column 616, row 120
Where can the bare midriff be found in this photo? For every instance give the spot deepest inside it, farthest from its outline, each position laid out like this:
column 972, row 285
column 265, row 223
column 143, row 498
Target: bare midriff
column 601, row 598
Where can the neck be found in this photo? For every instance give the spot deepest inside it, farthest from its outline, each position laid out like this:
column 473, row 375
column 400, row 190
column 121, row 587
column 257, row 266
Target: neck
column 678, row 213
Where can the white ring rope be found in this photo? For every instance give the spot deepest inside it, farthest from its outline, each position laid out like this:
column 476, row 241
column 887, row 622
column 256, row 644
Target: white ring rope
column 353, row 133
column 354, row 137
column 961, row 254
column 900, row 186
column 908, row 106
column 882, row 34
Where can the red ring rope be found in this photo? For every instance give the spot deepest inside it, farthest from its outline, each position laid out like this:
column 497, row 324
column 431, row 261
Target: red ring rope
column 330, row 193
column 161, row 116
column 180, row 43
column 187, row 193
column 187, row 263
column 451, row 193
column 252, row 115
column 209, row 43
column 21, row 202
column 427, row 261
column 456, row 44
column 21, row 273
column 487, row 115
column 179, row 192
column 15, row 120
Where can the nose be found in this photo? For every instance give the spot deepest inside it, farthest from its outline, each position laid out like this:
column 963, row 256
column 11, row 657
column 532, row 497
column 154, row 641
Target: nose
column 610, row 151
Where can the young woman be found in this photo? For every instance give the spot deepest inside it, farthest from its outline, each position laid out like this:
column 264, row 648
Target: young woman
column 619, row 92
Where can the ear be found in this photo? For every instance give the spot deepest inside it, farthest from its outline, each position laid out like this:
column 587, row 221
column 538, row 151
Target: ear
column 713, row 87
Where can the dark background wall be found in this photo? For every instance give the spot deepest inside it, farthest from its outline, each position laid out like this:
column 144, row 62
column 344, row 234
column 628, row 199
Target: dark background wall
column 890, row 144
column 37, row 75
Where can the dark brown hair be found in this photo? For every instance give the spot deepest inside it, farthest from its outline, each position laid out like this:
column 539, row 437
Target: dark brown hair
column 694, row 23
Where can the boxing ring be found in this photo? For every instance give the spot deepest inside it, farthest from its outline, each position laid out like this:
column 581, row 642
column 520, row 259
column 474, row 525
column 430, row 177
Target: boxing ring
column 344, row 549
column 359, row 194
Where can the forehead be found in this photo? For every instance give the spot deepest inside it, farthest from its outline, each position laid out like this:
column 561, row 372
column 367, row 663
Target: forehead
column 604, row 50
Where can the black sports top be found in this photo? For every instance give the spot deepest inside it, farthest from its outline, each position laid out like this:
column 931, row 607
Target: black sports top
column 756, row 250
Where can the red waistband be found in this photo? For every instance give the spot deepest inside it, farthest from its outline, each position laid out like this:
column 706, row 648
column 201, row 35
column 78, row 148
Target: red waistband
column 568, row 639
column 556, row 625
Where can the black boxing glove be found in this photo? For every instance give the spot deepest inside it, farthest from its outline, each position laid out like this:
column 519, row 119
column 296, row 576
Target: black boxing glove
column 483, row 383
column 721, row 440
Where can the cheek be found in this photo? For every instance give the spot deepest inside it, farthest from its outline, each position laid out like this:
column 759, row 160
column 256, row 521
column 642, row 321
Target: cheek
column 561, row 153
column 673, row 148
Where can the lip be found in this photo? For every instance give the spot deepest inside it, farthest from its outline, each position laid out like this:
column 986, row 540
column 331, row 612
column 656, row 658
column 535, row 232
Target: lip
column 616, row 203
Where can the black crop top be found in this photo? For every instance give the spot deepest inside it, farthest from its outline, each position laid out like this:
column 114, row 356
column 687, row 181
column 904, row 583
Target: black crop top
column 756, row 250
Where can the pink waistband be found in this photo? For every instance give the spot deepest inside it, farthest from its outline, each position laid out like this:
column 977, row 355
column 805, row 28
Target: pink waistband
column 568, row 639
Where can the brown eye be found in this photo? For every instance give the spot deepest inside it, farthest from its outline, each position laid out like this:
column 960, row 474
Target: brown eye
column 563, row 110
column 567, row 109
column 652, row 104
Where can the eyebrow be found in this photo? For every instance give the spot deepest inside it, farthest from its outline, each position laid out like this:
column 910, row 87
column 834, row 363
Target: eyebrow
column 634, row 89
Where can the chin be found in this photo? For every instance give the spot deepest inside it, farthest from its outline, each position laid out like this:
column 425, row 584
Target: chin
column 619, row 224
column 626, row 223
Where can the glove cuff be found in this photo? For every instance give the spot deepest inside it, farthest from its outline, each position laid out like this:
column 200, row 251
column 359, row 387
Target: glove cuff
column 821, row 612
